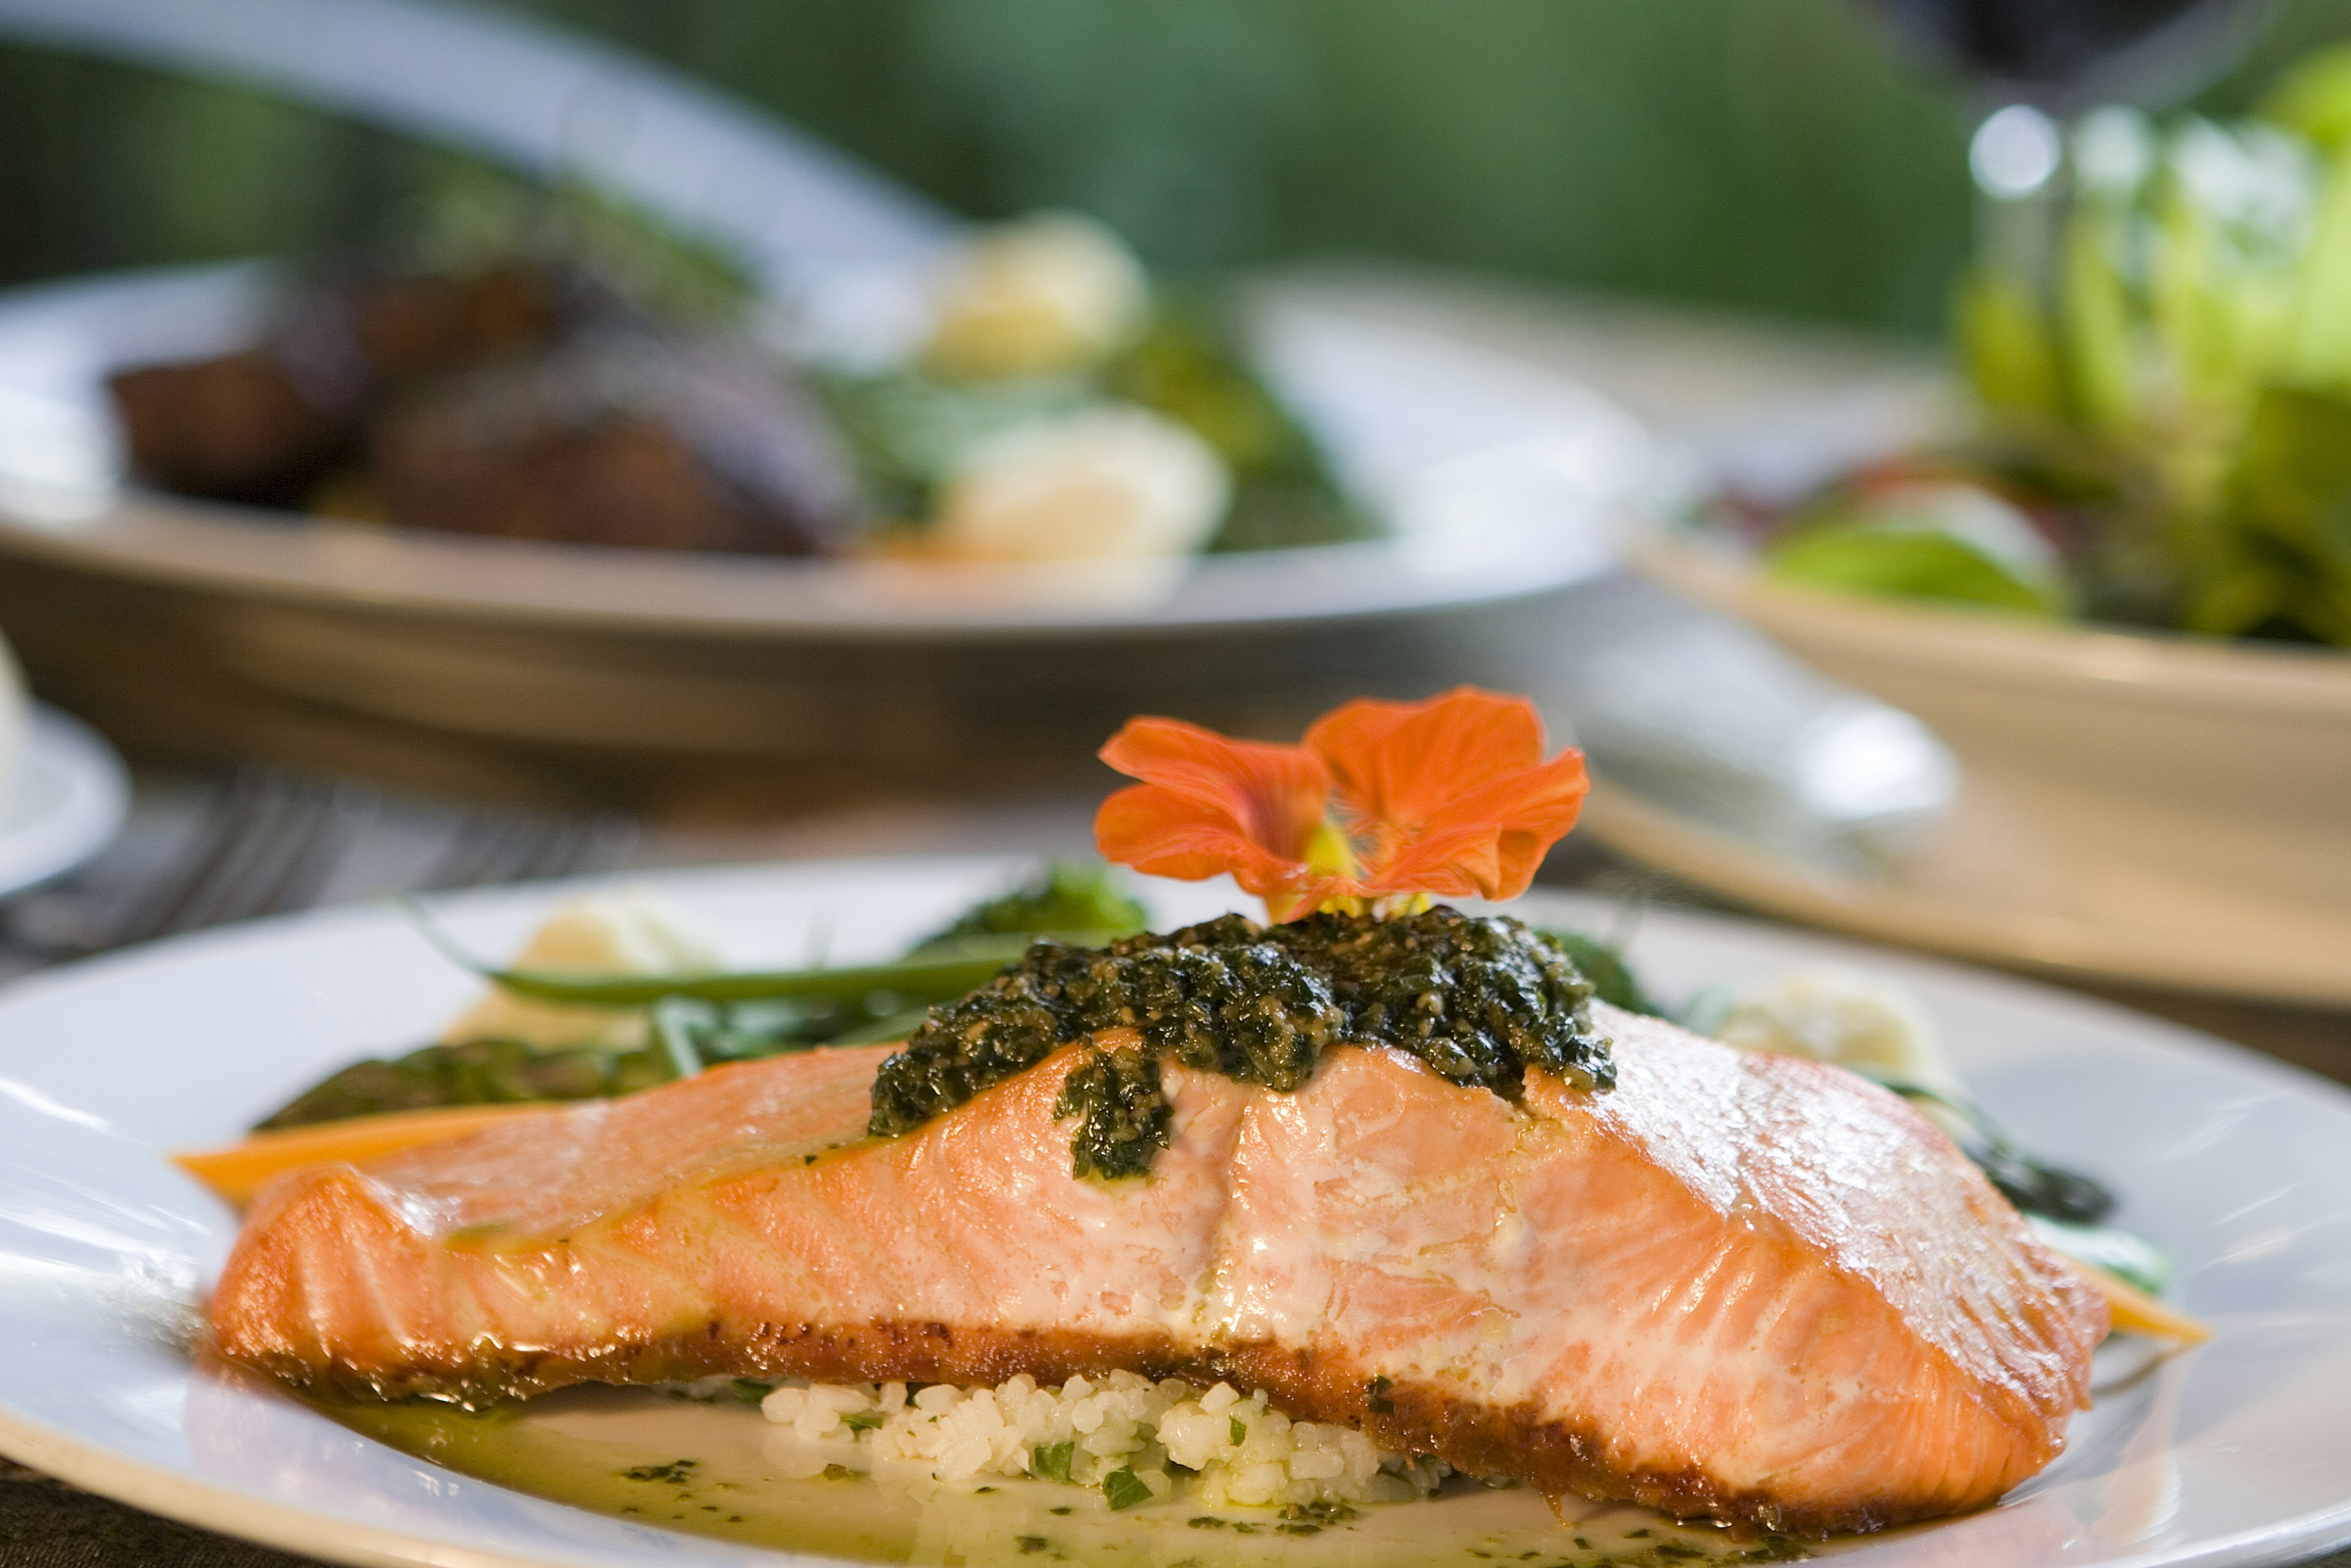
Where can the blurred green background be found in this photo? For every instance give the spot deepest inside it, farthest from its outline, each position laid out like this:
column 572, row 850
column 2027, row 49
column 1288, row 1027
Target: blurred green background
column 1783, row 156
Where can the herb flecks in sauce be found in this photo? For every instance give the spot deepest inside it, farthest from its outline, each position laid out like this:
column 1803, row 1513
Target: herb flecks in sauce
column 1478, row 999
column 673, row 1472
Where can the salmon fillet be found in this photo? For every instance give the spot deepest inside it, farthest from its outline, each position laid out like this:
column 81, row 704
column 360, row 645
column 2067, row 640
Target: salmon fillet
column 1753, row 1287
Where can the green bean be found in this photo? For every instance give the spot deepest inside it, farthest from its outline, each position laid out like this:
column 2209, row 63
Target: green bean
column 936, row 978
column 944, row 970
column 896, row 1026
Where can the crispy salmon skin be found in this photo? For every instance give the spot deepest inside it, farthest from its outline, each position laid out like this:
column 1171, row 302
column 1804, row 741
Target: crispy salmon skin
column 1753, row 1287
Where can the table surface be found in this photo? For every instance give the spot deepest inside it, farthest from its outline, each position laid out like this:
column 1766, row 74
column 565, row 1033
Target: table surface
column 1674, row 370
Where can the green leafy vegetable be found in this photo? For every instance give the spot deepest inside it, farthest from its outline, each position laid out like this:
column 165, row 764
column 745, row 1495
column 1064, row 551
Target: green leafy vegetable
column 1124, row 1489
column 1067, row 897
column 863, row 1420
column 2181, row 323
column 1188, row 365
column 2284, row 568
column 2034, row 1188
column 1238, row 1430
column 1901, row 559
column 1612, row 980
column 906, row 430
column 1052, row 1460
column 2118, row 1251
column 674, row 1021
column 699, row 1020
column 477, row 1072
column 471, row 213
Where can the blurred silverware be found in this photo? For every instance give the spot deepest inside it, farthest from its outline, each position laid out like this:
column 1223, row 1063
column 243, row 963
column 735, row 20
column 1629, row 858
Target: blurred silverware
column 267, row 845
column 496, row 844
column 268, row 841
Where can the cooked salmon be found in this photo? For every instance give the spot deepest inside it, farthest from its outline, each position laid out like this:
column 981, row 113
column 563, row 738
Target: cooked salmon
column 1753, row 1287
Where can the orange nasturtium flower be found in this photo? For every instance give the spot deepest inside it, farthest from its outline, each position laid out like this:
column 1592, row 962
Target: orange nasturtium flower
column 1384, row 804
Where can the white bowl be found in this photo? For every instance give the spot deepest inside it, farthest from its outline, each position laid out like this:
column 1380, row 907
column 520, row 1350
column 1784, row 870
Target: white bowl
column 2153, row 807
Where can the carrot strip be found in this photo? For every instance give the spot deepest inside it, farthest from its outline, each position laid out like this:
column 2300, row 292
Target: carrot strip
column 239, row 1172
column 2135, row 1312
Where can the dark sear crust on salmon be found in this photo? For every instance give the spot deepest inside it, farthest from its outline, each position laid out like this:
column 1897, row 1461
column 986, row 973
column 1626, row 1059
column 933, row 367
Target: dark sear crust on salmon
column 1749, row 1287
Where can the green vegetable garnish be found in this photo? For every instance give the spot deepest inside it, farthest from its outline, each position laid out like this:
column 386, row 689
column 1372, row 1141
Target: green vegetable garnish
column 2181, row 324
column 1053, row 1461
column 2119, row 1252
column 699, row 1020
column 477, row 1072
column 1238, row 1429
column 1901, row 559
column 1189, row 365
column 941, row 974
column 1612, row 980
column 1124, row 1490
column 863, row 1420
column 1067, row 898
column 906, row 430
column 2035, row 1187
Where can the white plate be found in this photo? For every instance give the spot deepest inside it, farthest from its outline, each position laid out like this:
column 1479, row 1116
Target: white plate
column 2235, row 1453
column 64, row 804
column 1494, row 481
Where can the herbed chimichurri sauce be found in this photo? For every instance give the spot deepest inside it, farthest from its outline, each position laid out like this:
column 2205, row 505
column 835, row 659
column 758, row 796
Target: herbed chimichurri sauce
column 1478, row 999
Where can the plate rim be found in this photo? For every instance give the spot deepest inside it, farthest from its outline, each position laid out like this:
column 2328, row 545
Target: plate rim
column 230, row 551
column 224, row 1509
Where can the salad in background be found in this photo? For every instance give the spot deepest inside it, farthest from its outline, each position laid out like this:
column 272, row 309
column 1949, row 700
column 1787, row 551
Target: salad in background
column 2157, row 330
column 548, row 366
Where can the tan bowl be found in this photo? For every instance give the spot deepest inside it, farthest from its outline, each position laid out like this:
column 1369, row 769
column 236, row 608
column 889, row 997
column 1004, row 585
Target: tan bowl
column 2163, row 808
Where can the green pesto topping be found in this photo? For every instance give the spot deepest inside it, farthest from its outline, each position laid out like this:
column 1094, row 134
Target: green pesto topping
column 1478, row 999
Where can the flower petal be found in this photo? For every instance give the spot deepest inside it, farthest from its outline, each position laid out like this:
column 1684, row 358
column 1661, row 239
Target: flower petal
column 1490, row 842
column 1452, row 794
column 1209, row 805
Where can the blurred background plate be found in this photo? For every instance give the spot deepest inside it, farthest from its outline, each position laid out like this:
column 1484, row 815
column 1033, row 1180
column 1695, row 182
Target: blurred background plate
column 1493, row 480
column 65, row 800
column 416, row 659
column 1499, row 482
